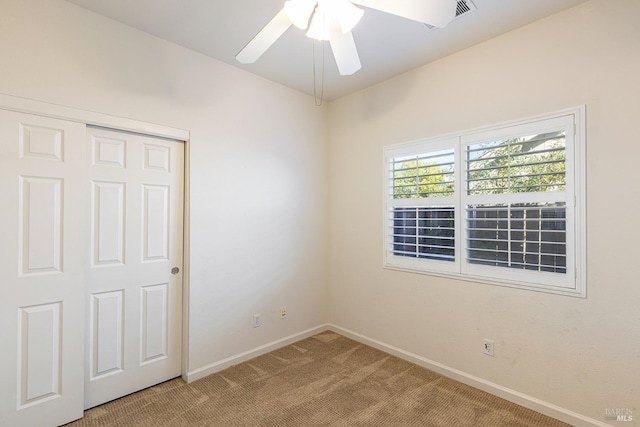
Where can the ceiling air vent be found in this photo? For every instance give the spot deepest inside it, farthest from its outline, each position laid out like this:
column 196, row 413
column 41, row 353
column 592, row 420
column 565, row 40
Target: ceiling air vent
column 463, row 7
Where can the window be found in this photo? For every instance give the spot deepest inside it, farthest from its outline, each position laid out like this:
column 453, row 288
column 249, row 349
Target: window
column 500, row 205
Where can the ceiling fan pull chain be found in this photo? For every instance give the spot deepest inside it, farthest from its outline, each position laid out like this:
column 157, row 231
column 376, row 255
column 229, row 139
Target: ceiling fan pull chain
column 315, row 80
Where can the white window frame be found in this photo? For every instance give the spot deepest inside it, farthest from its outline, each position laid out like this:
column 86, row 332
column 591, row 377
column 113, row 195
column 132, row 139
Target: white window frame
column 573, row 282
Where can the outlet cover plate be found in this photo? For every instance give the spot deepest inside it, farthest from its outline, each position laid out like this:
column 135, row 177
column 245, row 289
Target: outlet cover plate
column 488, row 347
column 257, row 321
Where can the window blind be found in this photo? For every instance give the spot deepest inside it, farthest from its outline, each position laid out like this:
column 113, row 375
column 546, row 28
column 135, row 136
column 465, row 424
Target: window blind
column 501, row 204
column 424, row 232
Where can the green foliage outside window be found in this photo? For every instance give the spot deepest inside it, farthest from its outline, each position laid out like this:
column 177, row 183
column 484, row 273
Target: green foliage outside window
column 420, row 178
column 518, row 165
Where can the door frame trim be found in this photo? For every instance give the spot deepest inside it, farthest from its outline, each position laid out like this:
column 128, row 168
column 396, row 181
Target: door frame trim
column 92, row 118
column 56, row 111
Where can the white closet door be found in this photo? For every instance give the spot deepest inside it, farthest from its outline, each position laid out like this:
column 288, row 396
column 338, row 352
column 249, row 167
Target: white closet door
column 43, row 234
column 134, row 299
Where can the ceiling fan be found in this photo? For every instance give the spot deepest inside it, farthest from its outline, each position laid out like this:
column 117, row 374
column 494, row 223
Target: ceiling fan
column 333, row 20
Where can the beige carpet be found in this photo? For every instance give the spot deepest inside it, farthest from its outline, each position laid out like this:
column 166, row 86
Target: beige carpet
column 325, row 380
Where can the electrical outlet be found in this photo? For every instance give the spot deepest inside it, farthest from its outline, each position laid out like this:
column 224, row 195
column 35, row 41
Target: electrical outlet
column 488, row 347
column 283, row 312
column 257, row 320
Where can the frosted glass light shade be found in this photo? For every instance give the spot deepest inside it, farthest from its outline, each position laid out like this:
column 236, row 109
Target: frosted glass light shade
column 330, row 13
column 299, row 12
column 342, row 11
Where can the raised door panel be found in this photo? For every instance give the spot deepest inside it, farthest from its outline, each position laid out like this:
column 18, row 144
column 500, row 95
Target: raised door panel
column 156, row 222
column 109, row 151
column 39, row 353
column 41, row 142
column 40, row 228
column 154, row 323
column 106, row 334
column 107, row 222
column 157, row 157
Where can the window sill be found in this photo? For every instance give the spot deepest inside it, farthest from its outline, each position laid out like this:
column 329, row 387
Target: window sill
column 557, row 290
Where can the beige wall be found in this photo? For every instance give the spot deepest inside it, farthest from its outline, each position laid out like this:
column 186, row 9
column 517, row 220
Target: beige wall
column 579, row 354
column 258, row 162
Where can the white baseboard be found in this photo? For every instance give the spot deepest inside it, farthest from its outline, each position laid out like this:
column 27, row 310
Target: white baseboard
column 521, row 399
column 248, row 355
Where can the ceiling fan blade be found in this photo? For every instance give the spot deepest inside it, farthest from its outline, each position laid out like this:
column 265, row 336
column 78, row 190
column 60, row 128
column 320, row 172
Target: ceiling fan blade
column 433, row 12
column 344, row 51
column 265, row 38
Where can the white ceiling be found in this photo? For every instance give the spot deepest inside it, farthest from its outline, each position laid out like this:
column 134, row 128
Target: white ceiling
column 388, row 45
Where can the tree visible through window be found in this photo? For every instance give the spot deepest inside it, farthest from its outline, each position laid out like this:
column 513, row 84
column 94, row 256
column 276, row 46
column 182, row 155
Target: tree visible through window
column 535, row 163
column 425, row 175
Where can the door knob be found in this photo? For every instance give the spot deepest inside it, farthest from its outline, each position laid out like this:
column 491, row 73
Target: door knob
column 175, row 270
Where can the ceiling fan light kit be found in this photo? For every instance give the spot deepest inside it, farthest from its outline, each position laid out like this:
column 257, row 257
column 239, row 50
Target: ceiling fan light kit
column 333, row 20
